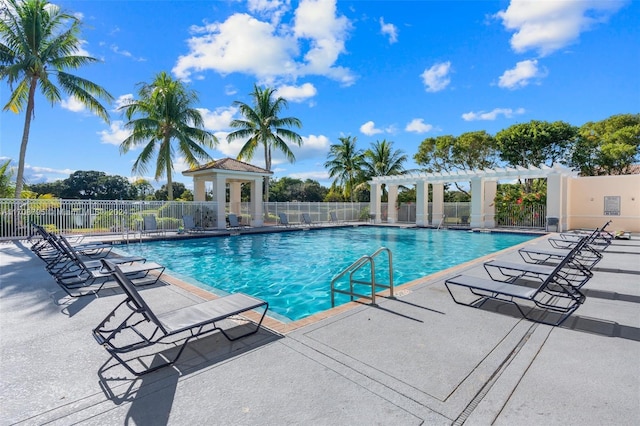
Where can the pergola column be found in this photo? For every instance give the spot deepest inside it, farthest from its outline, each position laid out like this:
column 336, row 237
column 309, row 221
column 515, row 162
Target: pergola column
column 477, row 202
column 375, row 201
column 220, row 196
column 256, row 204
column 557, row 199
column 392, row 198
column 438, row 204
column 422, row 203
column 235, row 197
column 489, row 208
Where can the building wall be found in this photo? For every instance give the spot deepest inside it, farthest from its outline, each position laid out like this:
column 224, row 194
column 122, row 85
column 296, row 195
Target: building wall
column 586, row 202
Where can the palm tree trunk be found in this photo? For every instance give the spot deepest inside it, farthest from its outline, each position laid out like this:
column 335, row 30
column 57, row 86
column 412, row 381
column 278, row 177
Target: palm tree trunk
column 25, row 136
column 169, row 184
column 267, row 163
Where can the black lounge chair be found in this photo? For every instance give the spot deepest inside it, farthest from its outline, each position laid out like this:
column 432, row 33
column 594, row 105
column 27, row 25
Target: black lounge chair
column 95, row 249
column 141, row 328
column 554, row 295
column 150, row 226
column 284, row 220
column 306, row 220
column 234, row 223
column 68, row 261
column 190, row 224
column 81, row 279
column 587, row 255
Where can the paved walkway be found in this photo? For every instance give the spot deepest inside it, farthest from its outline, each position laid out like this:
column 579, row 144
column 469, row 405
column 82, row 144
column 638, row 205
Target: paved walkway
column 420, row 359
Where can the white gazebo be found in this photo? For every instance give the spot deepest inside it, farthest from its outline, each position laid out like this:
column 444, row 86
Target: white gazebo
column 235, row 173
column 483, row 191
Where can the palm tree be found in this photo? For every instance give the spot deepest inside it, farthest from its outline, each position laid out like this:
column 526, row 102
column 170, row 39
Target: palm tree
column 39, row 40
column 345, row 164
column 262, row 126
column 164, row 112
column 382, row 160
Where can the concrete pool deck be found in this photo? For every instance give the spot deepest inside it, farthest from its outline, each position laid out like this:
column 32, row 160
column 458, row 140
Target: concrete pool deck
column 419, row 359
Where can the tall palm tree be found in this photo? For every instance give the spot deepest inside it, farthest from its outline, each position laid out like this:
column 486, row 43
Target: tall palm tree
column 39, row 40
column 382, row 160
column 162, row 113
column 345, row 163
column 262, row 126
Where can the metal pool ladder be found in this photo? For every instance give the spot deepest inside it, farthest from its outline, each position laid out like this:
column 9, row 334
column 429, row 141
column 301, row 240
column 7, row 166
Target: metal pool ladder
column 354, row 267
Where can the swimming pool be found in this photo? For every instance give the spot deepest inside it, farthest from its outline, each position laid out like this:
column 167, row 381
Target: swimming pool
column 293, row 270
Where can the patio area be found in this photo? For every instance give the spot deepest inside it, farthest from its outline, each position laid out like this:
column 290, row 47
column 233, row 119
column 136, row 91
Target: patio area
column 418, row 359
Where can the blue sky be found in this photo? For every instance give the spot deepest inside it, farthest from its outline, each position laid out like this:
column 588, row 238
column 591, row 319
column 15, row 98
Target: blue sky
column 396, row 70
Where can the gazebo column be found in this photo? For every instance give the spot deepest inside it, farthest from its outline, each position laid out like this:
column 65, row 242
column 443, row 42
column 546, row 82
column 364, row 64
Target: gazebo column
column 220, row 196
column 199, row 191
column 235, row 197
column 489, row 209
column 477, row 202
column 422, row 203
column 256, row 204
column 392, row 198
column 438, row 204
column 375, row 201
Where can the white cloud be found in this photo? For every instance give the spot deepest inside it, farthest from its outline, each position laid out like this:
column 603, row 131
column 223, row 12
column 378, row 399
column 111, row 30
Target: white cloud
column 437, row 78
column 115, row 135
column 547, row 26
column 123, row 100
column 369, row 129
column 72, row 104
column 125, row 53
column 318, row 175
column 417, row 125
column 270, row 50
column 521, row 75
column 297, row 93
column 218, row 119
column 491, row 115
column 389, row 30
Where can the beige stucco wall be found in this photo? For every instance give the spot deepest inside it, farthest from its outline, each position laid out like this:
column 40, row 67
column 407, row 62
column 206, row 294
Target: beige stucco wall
column 586, row 202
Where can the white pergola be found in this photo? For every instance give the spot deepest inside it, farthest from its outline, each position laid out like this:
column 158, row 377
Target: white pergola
column 232, row 172
column 483, row 191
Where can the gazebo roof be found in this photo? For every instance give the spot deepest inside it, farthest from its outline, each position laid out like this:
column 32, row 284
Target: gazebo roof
column 227, row 165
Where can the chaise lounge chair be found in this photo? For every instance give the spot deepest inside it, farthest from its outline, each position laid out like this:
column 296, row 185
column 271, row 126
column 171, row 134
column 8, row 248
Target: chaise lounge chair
column 306, row 220
column 143, row 328
column 190, row 224
column 150, row 226
column 234, row 223
column 81, row 279
column 333, row 218
column 284, row 220
column 553, row 295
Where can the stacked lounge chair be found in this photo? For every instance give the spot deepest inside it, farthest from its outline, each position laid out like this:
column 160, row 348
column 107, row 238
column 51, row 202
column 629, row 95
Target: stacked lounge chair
column 555, row 290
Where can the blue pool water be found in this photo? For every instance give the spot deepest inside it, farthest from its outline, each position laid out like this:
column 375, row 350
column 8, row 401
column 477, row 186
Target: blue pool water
column 293, row 270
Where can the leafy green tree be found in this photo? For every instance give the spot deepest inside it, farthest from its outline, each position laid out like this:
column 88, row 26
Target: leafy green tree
column 93, row 185
column 54, row 188
column 536, row 143
column 163, row 193
column 163, row 113
column 37, row 41
column 345, row 163
column 607, row 147
column 446, row 154
column 291, row 189
column 263, row 126
column 142, row 188
column 6, row 187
